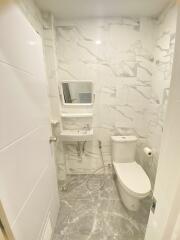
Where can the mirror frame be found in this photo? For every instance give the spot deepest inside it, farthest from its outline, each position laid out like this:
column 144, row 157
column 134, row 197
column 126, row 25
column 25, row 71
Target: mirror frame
column 75, row 104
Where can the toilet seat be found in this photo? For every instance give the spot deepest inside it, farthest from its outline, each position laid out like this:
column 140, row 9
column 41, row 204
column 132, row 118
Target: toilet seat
column 133, row 178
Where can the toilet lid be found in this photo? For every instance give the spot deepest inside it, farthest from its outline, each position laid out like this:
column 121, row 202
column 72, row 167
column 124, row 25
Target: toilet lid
column 133, row 177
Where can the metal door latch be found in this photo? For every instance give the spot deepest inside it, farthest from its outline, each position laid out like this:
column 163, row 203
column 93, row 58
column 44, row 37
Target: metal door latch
column 153, row 206
column 52, row 139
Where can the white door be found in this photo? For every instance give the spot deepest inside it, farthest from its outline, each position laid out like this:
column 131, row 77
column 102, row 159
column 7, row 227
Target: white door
column 28, row 188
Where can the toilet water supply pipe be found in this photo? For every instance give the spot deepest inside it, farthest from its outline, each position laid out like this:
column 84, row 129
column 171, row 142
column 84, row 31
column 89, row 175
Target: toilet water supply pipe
column 103, row 167
column 78, row 148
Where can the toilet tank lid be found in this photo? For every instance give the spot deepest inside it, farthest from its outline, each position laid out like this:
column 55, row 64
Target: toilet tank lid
column 124, row 138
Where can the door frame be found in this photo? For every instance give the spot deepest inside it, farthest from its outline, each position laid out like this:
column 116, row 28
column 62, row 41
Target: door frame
column 4, row 225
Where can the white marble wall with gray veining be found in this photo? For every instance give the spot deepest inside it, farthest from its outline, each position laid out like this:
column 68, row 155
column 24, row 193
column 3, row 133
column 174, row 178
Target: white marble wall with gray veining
column 51, row 68
column 130, row 63
column 165, row 32
column 116, row 54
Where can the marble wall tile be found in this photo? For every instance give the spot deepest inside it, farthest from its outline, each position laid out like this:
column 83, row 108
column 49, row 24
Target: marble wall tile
column 130, row 63
column 131, row 70
column 161, row 78
column 120, row 67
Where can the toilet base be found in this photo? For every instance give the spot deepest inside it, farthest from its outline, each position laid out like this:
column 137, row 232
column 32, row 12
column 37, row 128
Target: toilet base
column 130, row 202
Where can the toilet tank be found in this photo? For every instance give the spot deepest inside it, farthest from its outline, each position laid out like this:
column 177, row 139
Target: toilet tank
column 123, row 148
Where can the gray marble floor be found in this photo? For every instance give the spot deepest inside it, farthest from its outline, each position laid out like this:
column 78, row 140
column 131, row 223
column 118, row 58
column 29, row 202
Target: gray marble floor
column 98, row 215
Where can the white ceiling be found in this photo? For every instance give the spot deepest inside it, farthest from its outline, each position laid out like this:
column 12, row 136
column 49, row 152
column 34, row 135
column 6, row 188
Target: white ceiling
column 66, row 9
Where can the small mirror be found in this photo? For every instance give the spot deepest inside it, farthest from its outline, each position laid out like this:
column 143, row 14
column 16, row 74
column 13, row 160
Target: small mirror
column 77, row 92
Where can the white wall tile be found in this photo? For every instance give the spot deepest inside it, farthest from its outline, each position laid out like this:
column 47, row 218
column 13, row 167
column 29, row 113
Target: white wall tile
column 131, row 71
column 113, row 66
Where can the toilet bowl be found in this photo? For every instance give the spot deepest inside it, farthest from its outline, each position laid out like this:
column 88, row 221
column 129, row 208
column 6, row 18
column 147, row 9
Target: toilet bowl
column 132, row 182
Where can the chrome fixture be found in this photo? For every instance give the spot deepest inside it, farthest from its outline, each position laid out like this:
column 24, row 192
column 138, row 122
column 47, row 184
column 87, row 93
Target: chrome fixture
column 54, row 122
column 87, row 127
column 52, row 139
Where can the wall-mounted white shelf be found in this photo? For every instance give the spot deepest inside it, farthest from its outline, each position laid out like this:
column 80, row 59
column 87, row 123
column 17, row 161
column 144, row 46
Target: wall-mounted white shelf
column 77, row 115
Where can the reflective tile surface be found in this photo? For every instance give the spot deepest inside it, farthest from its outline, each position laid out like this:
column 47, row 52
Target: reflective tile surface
column 87, row 214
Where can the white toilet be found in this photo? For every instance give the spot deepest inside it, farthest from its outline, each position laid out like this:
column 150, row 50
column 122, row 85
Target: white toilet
column 132, row 181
